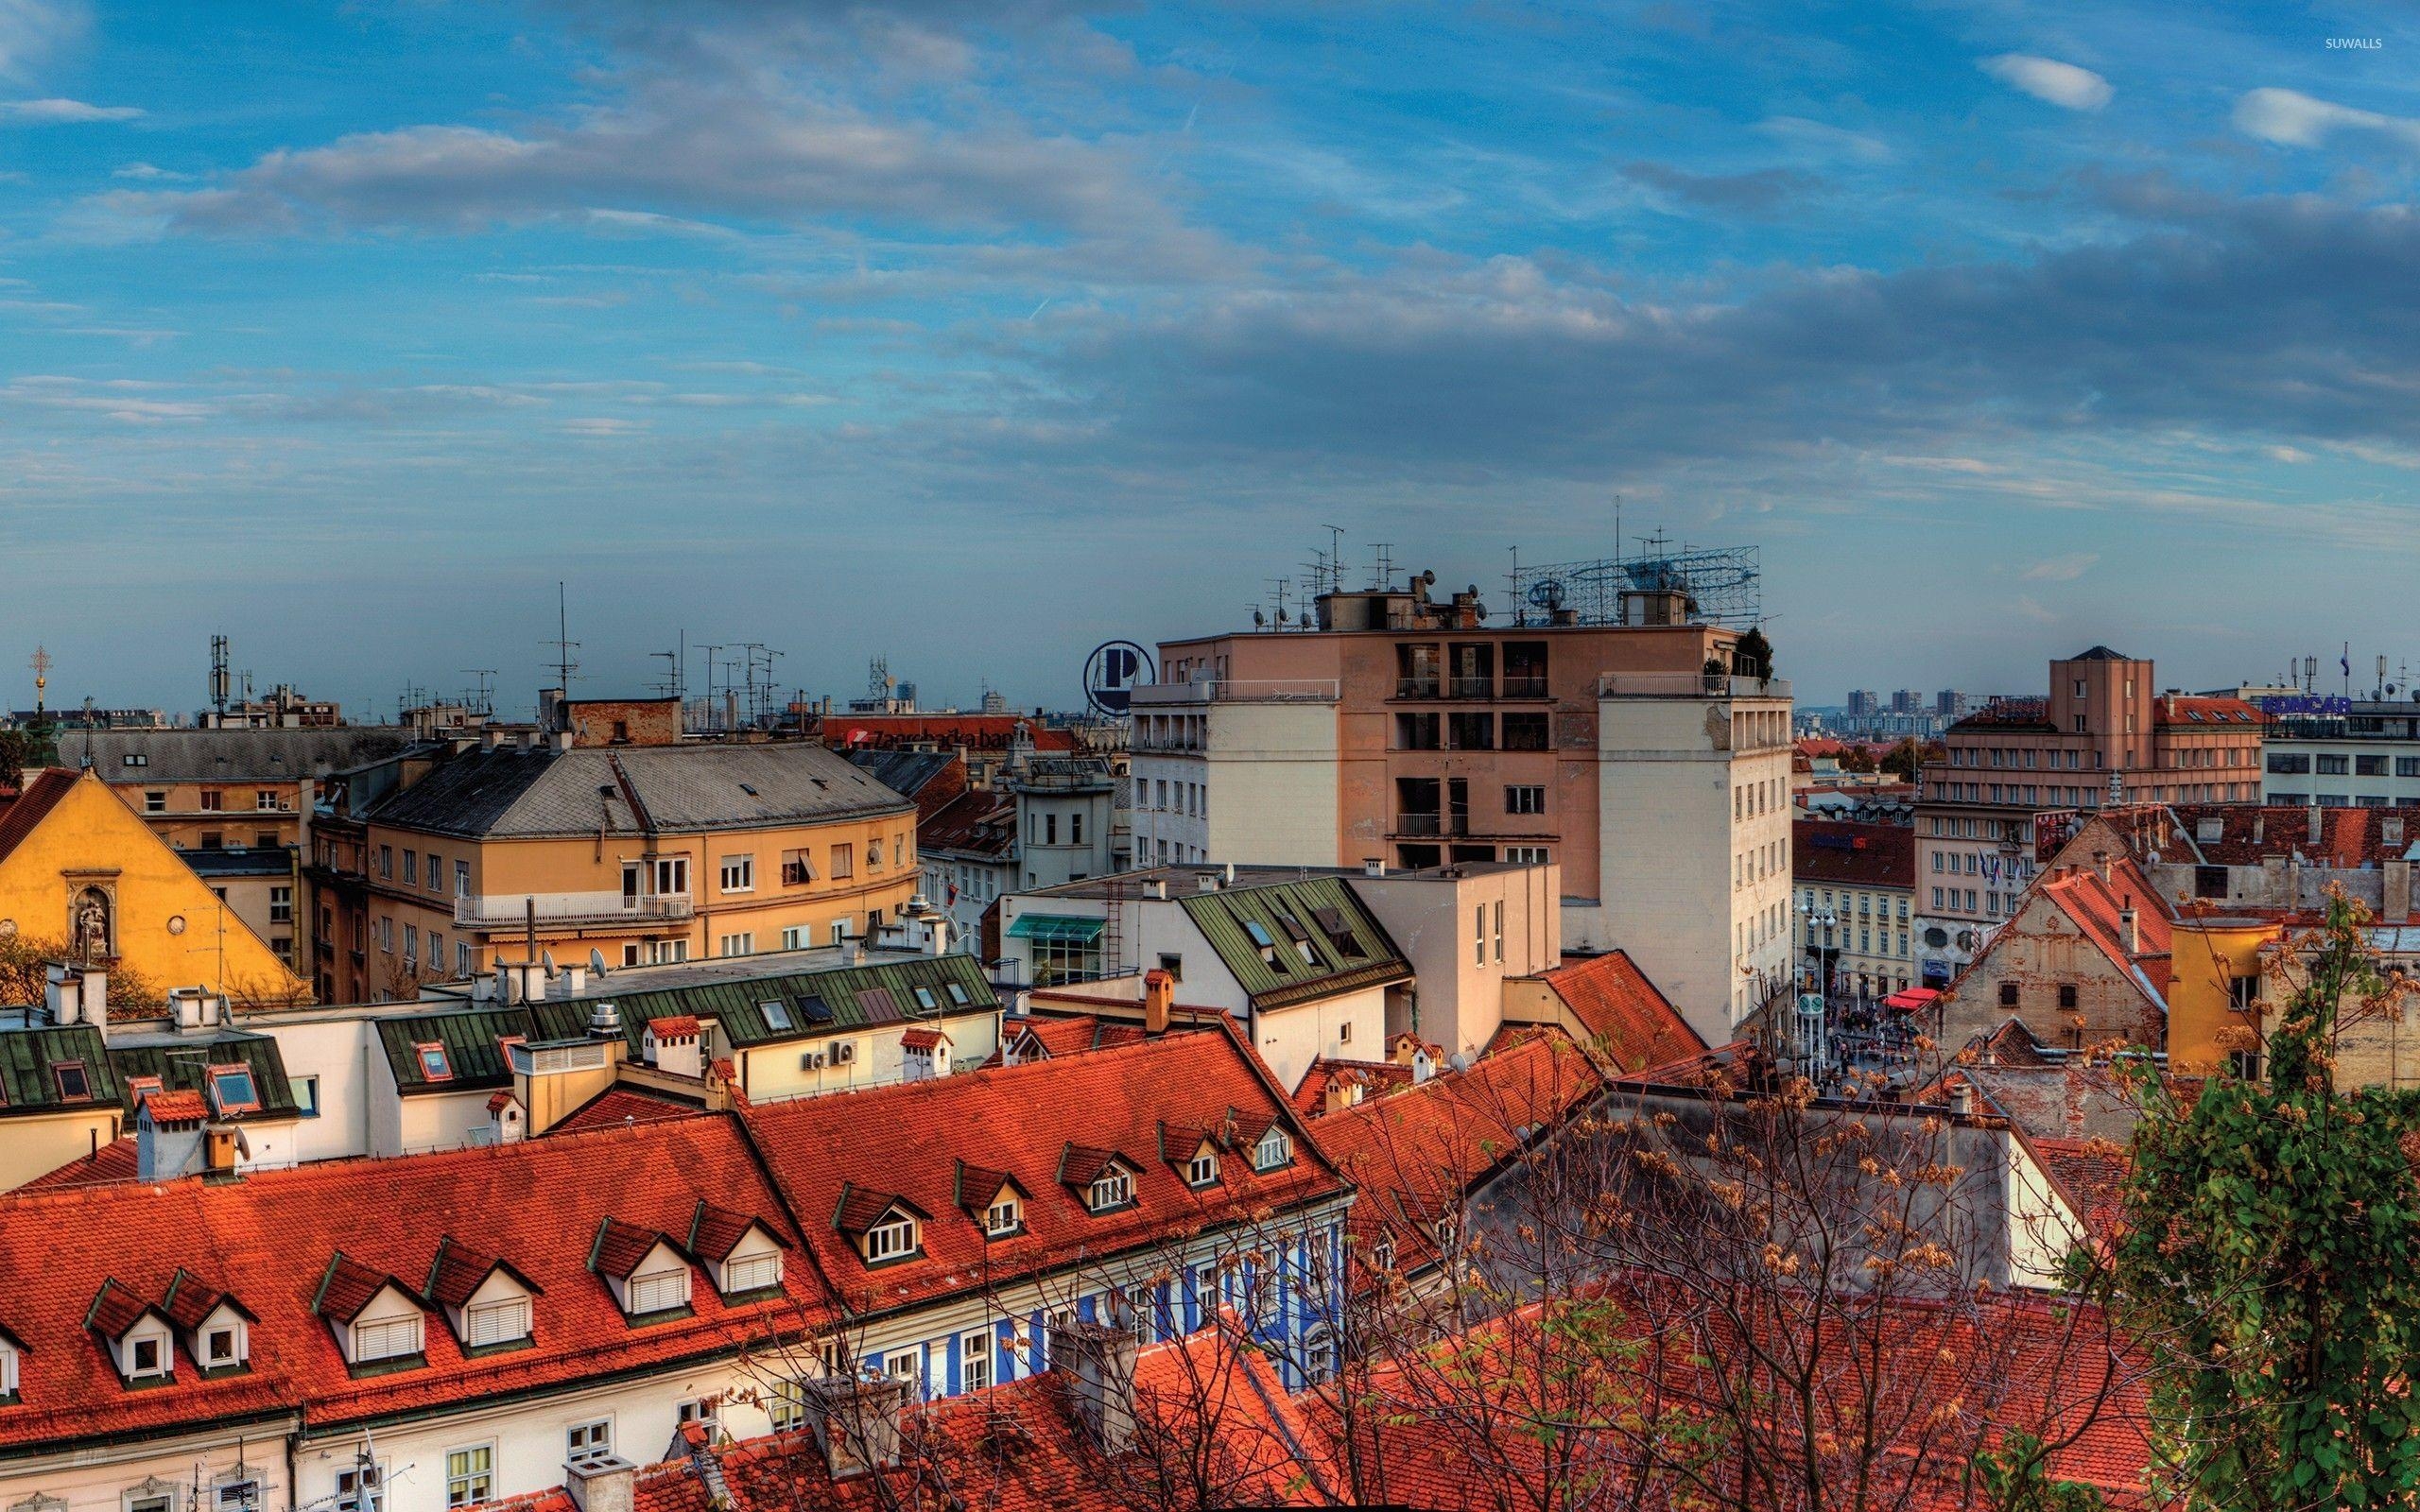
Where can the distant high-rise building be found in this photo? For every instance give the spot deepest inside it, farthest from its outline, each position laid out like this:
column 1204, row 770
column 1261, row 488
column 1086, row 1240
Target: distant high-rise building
column 1864, row 703
column 1907, row 701
column 1949, row 703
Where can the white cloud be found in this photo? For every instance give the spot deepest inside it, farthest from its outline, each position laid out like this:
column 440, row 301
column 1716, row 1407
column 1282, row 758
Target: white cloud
column 2290, row 118
column 2046, row 78
column 65, row 112
column 2065, row 569
column 148, row 173
column 31, row 30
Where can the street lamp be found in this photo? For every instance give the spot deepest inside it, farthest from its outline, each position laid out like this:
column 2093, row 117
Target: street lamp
column 1815, row 1007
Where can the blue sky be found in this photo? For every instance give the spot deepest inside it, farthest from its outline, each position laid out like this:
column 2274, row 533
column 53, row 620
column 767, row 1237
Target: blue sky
column 975, row 334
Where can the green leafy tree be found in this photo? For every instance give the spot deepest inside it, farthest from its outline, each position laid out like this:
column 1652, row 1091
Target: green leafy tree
column 2268, row 1262
column 1753, row 657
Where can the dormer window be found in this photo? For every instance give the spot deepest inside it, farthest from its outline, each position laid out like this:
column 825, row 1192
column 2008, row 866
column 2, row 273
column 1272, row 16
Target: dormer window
column 233, row 1090
column 501, row 1321
column 745, row 1254
column 434, row 1066
column 1004, row 1217
column 221, row 1348
column 645, row 1271
column 1202, row 1169
column 659, row 1291
column 1111, row 1189
column 1276, row 1148
column 146, row 1357
column 894, row 1238
column 386, row 1338
column 139, row 1088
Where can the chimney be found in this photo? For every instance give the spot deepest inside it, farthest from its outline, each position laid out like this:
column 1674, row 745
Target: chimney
column 1227, row 875
column 1098, row 1360
column 488, row 736
column 856, row 1421
column 1962, row 1098
column 601, row 1484
column 196, row 1009
column 2316, row 818
column 76, row 994
column 168, row 1143
column 1159, row 998
column 2100, row 864
column 1373, row 865
column 1343, row 1091
column 1156, row 889
column 605, row 1022
column 852, row 950
column 2131, row 925
column 2396, row 897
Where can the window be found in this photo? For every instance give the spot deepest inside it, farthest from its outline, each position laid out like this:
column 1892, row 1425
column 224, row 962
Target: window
column 1113, row 1188
column 139, row 1088
column 393, row 1338
column 894, row 1238
column 412, row 868
column 905, row 1366
column 1275, row 1148
column 752, row 1273
column 1526, row 855
column 75, row 1082
column 219, row 1347
column 213, row 801
column 706, row 1412
column 739, row 873
column 155, row 802
column 925, row 999
column 1524, row 732
column 2332, row 765
column 461, row 879
column 1524, row 799
column 307, row 1095
column 470, row 1475
column 785, row 1404
column 659, row 1291
column 844, row 862
column 436, row 872
column 1478, row 935
column 1344, row 1032
column 2008, row 994
column 1202, row 1169
column 672, row 876
column 433, row 1064
column 362, row 1488
column 737, row 945
column 958, row 989
column 238, row 1495
column 233, row 1090
column 975, row 1362
column 1004, row 1217
column 2067, row 994
column 587, row 1441
column 280, row 904
column 135, row 758
column 500, row 1322
column 797, row 869
column 776, row 1012
column 145, row 1358
column 1319, row 1357
column 798, row 938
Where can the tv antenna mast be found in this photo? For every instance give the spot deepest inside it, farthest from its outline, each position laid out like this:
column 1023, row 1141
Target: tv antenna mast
column 563, row 643
column 482, row 693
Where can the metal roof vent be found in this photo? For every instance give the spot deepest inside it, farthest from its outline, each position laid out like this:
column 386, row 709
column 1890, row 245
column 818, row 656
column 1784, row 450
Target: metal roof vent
column 604, row 1022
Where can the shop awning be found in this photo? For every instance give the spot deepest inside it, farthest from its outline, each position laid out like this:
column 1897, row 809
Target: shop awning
column 1911, row 1000
column 1057, row 929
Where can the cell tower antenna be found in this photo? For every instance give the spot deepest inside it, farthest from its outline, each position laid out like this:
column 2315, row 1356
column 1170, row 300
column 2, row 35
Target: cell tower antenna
column 563, row 643
column 218, row 673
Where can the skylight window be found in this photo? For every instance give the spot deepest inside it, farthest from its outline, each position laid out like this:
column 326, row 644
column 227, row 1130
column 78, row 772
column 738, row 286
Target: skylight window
column 776, row 1012
column 816, row 1009
column 924, row 998
column 75, row 1082
column 142, row 1086
column 233, row 1091
column 958, row 993
column 433, row 1064
column 1259, row 935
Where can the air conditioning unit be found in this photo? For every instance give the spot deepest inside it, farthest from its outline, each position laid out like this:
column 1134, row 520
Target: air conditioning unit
column 812, row 1060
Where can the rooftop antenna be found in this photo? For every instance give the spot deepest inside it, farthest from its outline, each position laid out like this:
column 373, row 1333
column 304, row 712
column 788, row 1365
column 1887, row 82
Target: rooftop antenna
column 671, row 683
column 1280, row 584
column 563, row 643
column 1520, row 614
column 483, row 692
column 1383, row 577
column 218, row 673
column 1620, row 552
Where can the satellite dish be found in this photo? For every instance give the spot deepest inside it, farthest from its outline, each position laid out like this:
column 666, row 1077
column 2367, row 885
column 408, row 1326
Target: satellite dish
column 1259, row 621
column 596, row 961
column 1460, row 1060
column 548, row 957
column 1546, row 594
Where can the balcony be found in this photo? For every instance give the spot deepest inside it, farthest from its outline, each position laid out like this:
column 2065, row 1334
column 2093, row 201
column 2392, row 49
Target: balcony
column 1473, row 688
column 1689, row 685
column 1418, row 687
column 1236, row 690
column 559, row 910
column 1523, row 685
column 1424, row 825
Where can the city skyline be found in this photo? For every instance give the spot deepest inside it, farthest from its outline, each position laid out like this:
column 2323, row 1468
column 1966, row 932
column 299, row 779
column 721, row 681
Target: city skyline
column 785, row 324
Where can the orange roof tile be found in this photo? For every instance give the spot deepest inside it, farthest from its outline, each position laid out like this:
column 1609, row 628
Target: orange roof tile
column 117, row 1160
column 185, row 1106
column 1039, row 1124
column 1627, row 1017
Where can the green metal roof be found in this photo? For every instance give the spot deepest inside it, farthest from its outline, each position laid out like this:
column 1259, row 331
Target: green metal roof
column 472, row 1040
column 1293, row 916
column 26, row 1056
column 184, row 1065
column 855, row 997
column 1057, row 928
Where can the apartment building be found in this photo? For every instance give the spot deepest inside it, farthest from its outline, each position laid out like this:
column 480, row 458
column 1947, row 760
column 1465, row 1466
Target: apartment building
column 1412, row 732
column 1855, row 916
column 2103, row 736
column 2337, row 753
column 606, row 832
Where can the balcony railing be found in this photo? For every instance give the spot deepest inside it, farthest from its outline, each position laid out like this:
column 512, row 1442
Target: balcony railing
column 1689, row 685
column 1236, row 690
column 1523, row 685
column 1473, row 688
column 1418, row 687
column 1420, row 824
column 496, row 911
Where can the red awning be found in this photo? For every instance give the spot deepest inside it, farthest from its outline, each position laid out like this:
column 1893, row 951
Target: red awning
column 1911, row 1000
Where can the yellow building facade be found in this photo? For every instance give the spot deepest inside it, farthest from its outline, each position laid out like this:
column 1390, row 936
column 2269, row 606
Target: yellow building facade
column 78, row 867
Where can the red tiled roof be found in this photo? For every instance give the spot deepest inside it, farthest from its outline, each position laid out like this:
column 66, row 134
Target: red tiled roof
column 1021, row 1121
column 715, row 1232
column 459, row 1270
column 347, row 1287
column 975, row 731
column 1018, row 1447
column 2251, row 833
column 622, row 1247
column 2090, row 1176
column 190, row 1299
column 1377, row 1078
column 673, row 1026
column 2096, row 907
column 2232, row 715
column 34, row 801
column 1626, row 1018
column 980, row 820
column 619, row 1106
column 117, row 1160
column 1068, row 1035
column 176, row 1107
column 1844, row 854
column 274, row 1233
column 1417, row 1154
column 860, row 1208
column 922, row 1040
column 115, row 1310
